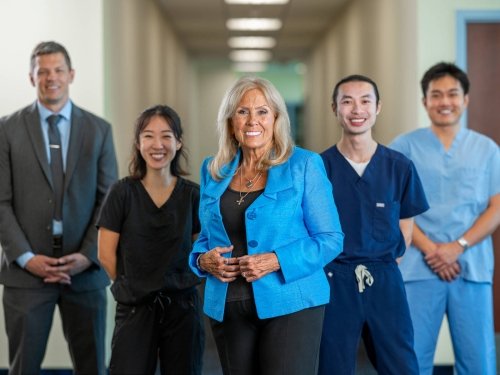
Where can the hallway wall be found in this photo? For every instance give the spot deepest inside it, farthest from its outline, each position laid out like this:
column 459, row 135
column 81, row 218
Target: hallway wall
column 127, row 58
column 374, row 38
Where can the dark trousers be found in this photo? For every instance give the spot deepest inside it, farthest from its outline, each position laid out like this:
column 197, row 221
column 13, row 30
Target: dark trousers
column 28, row 319
column 284, row 345
column 379, row 314
column 168, row 328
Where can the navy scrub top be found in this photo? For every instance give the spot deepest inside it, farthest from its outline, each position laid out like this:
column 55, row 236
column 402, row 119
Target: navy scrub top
column 371, row 206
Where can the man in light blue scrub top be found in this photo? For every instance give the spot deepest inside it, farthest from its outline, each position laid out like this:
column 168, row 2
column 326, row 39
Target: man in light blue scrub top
column 449, row 267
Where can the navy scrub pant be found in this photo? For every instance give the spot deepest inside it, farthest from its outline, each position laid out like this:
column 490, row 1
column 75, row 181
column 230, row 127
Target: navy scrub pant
column 379, row 312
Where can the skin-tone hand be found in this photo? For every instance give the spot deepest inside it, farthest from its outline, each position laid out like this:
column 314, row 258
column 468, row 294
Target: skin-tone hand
column 444, row 255
column 43, row 267
column 253, row 267
column 450, row 273
column 224, row 269
column 70, row 265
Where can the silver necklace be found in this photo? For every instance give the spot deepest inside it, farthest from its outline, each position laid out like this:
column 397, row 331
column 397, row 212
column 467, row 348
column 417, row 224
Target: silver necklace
column 249, row 185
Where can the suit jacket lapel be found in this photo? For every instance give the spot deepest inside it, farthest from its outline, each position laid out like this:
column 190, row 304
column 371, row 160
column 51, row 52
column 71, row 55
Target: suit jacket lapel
column 76, row 140
column 34, row 130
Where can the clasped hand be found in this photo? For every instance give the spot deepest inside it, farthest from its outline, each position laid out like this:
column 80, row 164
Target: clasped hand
column 58, row 270
column 250, row 267
column 443, row 260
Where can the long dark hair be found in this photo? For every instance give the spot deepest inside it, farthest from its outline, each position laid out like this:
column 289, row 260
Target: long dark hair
column 137, row 167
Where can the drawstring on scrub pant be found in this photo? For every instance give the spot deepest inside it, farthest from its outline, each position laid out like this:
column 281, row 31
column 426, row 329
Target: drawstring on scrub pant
column 363, row 276
column 161, row 299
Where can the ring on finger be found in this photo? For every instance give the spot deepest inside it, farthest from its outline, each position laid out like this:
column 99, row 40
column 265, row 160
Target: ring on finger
column 244, row 274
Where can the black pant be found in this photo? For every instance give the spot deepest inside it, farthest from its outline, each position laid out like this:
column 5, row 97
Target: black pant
column 287, row 345
column 167, row 327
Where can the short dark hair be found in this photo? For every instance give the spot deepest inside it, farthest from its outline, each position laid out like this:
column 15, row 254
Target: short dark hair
column 444, row 69
column 355, row 78
column 47, row 48
column 137, row 166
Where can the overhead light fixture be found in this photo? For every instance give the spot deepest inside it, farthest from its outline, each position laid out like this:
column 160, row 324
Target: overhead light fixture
column 251, row 42
column 254, row 24
column 249, row 67
column 257, row 2
column 250, row 55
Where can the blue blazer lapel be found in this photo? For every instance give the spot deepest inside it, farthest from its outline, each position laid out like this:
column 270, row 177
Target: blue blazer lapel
column 215, row 189
column 34, row 130
column 279, row 178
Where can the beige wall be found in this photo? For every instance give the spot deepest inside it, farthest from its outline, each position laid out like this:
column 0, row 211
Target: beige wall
column 374, row 38
column 127, row 58
column 144, row 65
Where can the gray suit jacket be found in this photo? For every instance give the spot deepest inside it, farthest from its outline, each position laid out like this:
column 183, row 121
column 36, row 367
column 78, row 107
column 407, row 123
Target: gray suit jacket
column 27, row 196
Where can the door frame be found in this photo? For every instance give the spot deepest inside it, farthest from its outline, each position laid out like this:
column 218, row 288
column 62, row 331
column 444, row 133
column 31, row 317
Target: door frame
column 462, row 19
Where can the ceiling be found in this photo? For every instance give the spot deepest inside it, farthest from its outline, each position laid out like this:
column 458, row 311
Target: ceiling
column 201, row 25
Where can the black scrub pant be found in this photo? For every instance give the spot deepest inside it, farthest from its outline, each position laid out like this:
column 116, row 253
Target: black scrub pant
column 168, row 328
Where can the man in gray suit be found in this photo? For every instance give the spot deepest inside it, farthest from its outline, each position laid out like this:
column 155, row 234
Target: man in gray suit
column 48, row 238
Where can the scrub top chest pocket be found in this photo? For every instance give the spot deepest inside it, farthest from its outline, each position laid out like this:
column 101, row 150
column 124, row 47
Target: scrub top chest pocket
column 385, row 220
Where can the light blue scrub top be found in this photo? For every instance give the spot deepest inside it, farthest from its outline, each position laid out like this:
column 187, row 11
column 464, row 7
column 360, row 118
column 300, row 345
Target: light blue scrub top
column 458, row 184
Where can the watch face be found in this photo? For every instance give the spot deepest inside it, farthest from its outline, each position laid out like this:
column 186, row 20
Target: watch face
column 463, row 243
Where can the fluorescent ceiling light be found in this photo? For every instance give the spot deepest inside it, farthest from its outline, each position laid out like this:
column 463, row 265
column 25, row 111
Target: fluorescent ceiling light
column 254, row 24
column 251, row 42
column 249, row 67
column 257, row 2
column 250, row 55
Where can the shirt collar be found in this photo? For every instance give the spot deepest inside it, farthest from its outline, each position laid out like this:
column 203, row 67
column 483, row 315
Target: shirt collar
column 65, row 111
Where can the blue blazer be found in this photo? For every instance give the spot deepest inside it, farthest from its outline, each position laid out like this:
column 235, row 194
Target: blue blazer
column 295, row 217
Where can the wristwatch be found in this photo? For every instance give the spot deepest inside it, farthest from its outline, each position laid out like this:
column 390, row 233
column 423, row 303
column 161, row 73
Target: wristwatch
column 463, row 242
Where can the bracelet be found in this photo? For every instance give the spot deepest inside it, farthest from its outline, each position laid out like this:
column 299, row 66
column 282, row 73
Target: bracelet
column 198, row 262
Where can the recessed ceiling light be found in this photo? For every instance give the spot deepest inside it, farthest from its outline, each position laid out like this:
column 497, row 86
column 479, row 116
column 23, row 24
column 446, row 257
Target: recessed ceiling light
column 254, row 24
column 249, row 67
column 250, row 55
column 265, row 2
column 251, row 42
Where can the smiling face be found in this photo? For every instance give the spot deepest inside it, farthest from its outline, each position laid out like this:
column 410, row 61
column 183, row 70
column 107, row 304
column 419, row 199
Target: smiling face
column 445, row 101
column 356, row 107
column 157, row 144
column 51, row 76
column 253, row 122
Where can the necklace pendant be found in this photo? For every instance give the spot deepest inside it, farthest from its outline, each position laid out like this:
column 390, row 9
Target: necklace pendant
column 249, row 184
column 240, row 201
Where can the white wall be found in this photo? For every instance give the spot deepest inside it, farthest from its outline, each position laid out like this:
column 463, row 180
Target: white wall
column 77, row 25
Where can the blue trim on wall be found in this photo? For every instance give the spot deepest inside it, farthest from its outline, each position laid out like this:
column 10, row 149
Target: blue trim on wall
column 463, row 18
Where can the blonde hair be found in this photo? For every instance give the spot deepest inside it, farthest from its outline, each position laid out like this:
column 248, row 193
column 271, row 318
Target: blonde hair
column 282, row 143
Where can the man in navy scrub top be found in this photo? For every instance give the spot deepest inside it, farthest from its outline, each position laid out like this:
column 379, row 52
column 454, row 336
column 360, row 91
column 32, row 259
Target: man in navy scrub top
column 377, row 192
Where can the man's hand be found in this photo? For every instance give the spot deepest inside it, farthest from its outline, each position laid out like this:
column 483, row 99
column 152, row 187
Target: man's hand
column 43, row 267
column 71, row 264
column 445, row 255
column 450, row 273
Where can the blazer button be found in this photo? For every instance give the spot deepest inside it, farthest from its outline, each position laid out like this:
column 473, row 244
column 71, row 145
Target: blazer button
column 251, row 215
column 253, row 243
